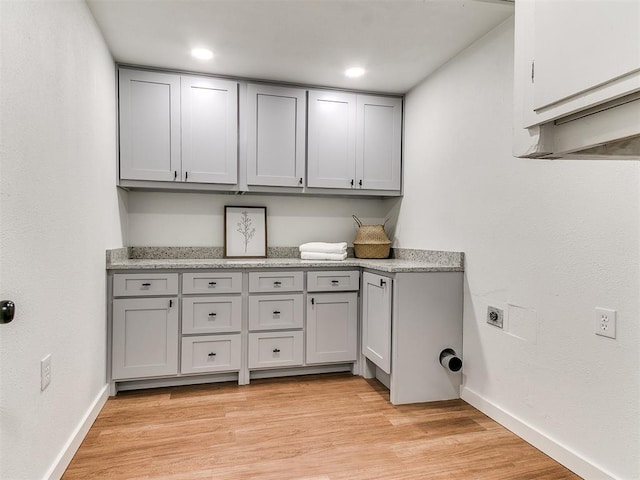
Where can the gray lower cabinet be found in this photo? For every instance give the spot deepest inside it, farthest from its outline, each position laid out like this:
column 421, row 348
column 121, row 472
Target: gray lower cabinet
column 145, row 337
column 407, row 320
column 275, row 349
column 332, row 327
column 376, row 319
column 211, row 322
column 270, row 322
column 211, row 353
column 276, row 319
column 332, row 316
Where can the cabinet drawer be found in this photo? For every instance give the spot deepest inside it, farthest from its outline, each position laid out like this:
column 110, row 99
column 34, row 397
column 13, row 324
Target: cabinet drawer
column 334, row 281
column 275, row 349
column 213, row 282
column 141, row 284
column 275, row 282
column 271, row 312
column 211, row 314
column 211, row 353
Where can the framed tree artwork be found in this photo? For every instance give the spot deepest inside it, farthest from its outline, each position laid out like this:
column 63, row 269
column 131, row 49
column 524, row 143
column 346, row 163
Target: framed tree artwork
column 245, row 232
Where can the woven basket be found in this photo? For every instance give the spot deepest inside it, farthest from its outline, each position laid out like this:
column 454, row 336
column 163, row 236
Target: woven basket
column 371, row 241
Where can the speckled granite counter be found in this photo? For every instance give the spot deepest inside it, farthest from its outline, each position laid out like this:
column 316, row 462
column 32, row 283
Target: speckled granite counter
column 405, row 261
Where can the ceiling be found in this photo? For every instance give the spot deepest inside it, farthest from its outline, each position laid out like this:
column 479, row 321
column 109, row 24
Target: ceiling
column 311, row 42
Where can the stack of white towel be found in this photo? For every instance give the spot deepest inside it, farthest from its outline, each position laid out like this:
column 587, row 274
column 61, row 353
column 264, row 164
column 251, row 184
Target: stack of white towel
column 323, row 251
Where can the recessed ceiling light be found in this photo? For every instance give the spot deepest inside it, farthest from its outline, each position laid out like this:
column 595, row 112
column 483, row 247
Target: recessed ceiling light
column 354, row 72
column 202, row 53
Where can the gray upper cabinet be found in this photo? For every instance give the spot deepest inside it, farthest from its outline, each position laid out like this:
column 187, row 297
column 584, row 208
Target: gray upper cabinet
column 378, row 142
column 178, row 128
column 354, row 141
column 149, row 125
column 276, row 127
column 196, row 132
column 209, row 130
column 332, row 139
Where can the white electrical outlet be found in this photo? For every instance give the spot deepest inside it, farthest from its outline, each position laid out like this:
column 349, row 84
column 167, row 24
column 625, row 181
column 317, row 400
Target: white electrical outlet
column 605, row 322
column 45, row 372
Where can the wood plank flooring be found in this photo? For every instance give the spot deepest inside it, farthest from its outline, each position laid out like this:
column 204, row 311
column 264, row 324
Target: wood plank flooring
column 323, row 427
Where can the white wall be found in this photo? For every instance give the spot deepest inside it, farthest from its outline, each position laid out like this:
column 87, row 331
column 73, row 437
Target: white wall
column 189, row 219
column 548, row 241
column 59, row 212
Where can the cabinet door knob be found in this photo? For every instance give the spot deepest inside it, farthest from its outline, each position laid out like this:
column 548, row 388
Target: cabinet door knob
column 170, row 303
column 313, row 301
column 300, row 181
column 382, row 283
column 186, row 176
column 352, row 182
column 7, row 311
column 360, row 182
column 175, row 174
column 276, row 350
column 212, row 354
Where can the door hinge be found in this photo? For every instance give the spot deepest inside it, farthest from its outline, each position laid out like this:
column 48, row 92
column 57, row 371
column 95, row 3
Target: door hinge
column 533, row 71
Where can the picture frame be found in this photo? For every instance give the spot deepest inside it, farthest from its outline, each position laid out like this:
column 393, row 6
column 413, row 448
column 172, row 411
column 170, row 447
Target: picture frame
column 245, row 232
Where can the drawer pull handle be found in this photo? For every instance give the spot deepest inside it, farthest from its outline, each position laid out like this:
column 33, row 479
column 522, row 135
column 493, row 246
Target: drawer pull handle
column 382, row 283
column 277, row 284
column 276, row 312
column 146, row 284
column 335, row 282
column 276, row 350
column 212, row 354
column 212, row 314
column 212, row 284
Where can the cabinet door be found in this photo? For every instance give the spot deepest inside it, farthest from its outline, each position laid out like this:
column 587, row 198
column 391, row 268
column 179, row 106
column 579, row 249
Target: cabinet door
column 376, row 319
column 570, row 59
column 149, row 109
column 331, row 140
column 145, row 337
column 577, row 49
column 209, row 130
column 379, row 135
column 332, row 327
column 276, row 130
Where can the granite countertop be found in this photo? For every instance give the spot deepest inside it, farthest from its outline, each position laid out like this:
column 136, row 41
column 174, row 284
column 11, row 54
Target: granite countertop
column 405, row 261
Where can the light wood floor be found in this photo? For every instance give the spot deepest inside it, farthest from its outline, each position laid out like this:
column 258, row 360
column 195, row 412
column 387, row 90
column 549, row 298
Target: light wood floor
column 313, row 428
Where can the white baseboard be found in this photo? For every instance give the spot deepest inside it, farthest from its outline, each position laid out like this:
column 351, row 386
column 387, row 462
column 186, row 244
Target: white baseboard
column 560, row 453
column 71, row 447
